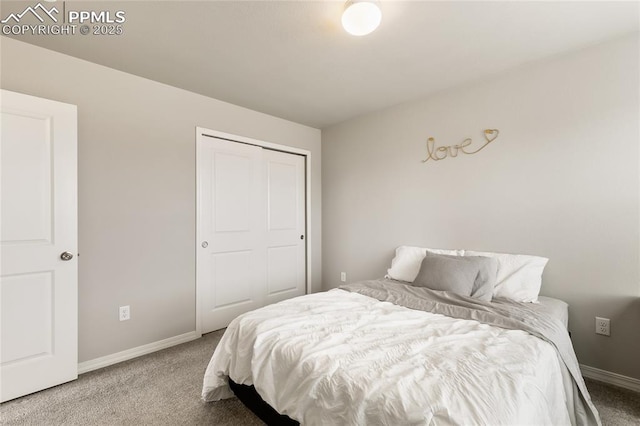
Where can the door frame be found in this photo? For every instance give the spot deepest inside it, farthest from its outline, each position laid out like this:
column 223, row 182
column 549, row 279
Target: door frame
column 201, row 133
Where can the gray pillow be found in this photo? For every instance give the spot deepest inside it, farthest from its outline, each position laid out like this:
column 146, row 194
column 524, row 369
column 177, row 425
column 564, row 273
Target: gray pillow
column 447, row 273
column 483, row 282
column 486, row 279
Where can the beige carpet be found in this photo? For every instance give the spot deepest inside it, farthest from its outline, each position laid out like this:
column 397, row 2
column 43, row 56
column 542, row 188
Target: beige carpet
column 164, row 389
column 617, row 407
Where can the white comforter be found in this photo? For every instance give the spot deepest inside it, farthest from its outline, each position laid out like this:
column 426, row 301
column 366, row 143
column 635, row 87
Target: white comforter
column 339, row 358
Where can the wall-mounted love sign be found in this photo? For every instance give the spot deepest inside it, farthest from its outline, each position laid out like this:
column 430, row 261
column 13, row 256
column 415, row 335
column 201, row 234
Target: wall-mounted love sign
column 437, row 153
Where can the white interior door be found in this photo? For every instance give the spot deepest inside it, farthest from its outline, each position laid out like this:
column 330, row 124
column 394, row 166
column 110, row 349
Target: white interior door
column 251, row 224
column 38, row 289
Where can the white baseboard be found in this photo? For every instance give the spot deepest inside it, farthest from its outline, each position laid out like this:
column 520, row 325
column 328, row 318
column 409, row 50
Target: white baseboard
column 610, row 378
column 104, row 361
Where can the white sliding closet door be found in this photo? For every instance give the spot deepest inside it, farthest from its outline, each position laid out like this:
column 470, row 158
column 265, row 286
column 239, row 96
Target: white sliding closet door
column 38, row 285
column 286, row 252
column 251, row 229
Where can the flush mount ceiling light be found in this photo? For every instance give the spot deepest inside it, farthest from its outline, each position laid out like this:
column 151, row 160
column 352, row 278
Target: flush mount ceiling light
column 361, row 17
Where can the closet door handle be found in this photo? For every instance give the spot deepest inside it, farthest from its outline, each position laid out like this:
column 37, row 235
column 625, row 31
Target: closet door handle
column 66, row 256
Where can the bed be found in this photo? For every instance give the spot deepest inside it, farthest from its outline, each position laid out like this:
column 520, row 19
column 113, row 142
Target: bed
column 387, row 351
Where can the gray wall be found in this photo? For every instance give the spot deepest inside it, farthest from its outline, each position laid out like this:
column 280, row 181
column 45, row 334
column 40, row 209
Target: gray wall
column 561, row 181
column 137, row 198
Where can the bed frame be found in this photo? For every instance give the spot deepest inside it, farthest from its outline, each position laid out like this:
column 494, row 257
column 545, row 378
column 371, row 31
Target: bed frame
column 254, row 402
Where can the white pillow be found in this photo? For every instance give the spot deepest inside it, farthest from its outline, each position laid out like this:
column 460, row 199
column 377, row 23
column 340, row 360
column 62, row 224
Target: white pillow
column 519, row 276
column 406, row 265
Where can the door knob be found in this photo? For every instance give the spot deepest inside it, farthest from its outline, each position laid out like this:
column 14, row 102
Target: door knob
column 205, row 244
column 66, row 256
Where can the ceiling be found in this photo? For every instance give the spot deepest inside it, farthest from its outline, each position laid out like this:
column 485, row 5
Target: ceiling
column 293, row 59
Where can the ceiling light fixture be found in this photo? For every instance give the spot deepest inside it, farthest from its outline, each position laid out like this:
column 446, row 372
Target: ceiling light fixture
column 361, row 17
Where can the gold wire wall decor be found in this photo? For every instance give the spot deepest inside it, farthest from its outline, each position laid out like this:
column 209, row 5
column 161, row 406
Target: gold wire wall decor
column 437, row 153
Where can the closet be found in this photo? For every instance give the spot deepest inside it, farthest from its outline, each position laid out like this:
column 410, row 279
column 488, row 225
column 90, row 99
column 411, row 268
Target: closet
column 251, row 227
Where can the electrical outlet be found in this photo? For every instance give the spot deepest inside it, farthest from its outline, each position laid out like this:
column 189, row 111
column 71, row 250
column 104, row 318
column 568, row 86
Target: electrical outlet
column 343, row 277
column 603, row 326
column 125, row 313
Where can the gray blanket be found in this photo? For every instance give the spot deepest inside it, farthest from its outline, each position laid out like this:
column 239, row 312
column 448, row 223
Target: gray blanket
column 500, row 313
